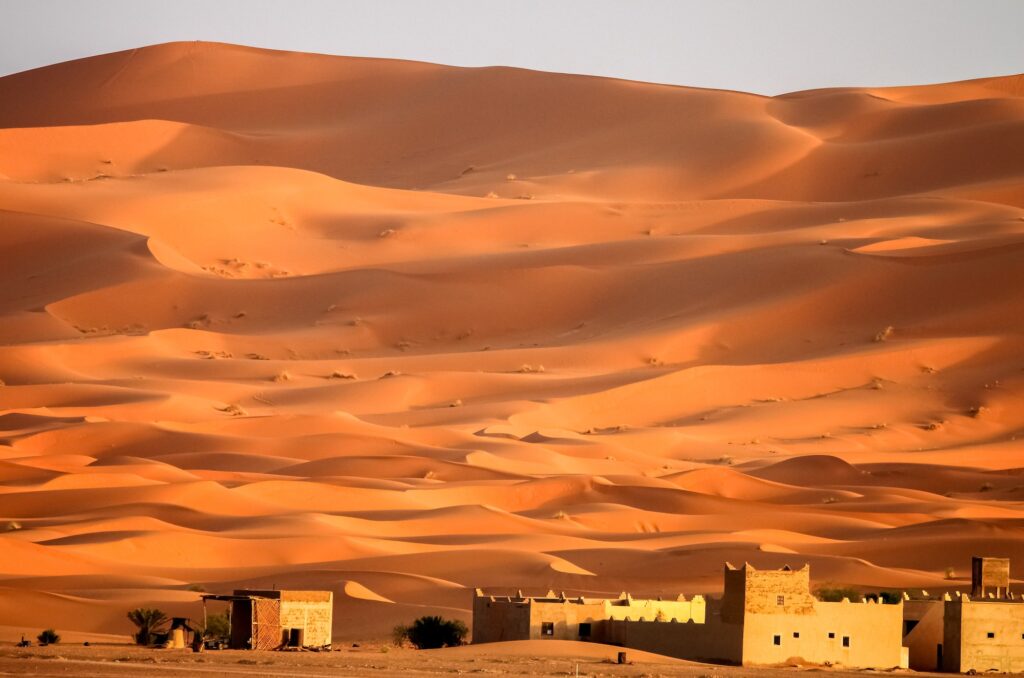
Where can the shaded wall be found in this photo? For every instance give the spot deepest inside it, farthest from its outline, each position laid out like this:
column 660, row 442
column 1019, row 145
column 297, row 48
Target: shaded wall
column 923, row 641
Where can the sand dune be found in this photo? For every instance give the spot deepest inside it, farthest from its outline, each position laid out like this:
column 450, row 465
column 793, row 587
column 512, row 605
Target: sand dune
column 400, row 330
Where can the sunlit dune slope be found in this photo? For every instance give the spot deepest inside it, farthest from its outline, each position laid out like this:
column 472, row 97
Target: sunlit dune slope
column 401, row 330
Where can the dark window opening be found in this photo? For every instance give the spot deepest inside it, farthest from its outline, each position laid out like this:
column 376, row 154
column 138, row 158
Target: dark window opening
column 796, row 634
column 776, row 640
column 585, row 630
column 990, row 634
column 780, row 600
column 846, row 641
column 909, row 625
column 831, row 634
column 547, row 628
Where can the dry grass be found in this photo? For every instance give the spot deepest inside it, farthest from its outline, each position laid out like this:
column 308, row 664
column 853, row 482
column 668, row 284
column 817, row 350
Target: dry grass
column 282, row 377
column 885, row 334
column 235, row 410
column 338, row 374
column 530, row 369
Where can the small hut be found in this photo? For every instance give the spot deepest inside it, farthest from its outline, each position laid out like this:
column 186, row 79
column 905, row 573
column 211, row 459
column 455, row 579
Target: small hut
column 278, row 620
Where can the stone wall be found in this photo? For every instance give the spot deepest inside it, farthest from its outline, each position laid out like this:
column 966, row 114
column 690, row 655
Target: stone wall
column 983, row 635
column 310, row 611
column 748, row 589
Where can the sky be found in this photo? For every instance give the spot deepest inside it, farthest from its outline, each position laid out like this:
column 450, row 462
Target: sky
column 762, row 46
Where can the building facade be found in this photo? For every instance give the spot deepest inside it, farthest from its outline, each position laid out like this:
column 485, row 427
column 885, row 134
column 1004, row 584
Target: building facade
column 763, row 617
column 983, row 631
column 271, row 620
column 558, row 617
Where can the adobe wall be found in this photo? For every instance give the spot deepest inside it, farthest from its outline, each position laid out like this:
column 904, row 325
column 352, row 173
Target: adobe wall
column 748, row 589
column 967, row 644
column 681, row 610
column 874, row 630
column 566, row 617
column 311, row 611
column 495, row 620
column 712, row 641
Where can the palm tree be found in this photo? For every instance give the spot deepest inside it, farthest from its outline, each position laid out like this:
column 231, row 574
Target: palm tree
column 148, row 622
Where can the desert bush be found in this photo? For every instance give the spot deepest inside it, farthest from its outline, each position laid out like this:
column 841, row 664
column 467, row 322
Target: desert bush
column 148, row 621
column 399, row 635
column 885, row 597
column 835, row 594
column 950, row 573
column 218, row 626
column 48, row 637
column 885, row 334
column 431, row 632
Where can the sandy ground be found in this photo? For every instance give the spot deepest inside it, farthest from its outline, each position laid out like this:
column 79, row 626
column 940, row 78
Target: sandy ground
column 401, row 330
column 531, row 658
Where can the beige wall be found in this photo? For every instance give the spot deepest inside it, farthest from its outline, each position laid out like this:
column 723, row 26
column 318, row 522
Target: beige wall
column 875, row 634
column 311, row 611
column 966, row 643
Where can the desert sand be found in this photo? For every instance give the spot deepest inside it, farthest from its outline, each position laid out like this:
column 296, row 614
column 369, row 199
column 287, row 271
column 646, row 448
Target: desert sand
column 399, row 330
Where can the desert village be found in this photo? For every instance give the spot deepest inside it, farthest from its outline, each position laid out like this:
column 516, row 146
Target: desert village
column 763, row 618
column 767, row 617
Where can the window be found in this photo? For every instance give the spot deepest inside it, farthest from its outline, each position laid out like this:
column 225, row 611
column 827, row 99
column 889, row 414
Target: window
column 846, row 641
column 776, row 640
column 547, row 628
column 831, row 634
column 796, row 634
column 990, row 634
column 585, row 630
column 780, row 600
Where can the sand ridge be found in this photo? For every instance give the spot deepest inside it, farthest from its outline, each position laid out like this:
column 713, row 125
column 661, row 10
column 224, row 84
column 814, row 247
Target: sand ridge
column 401, row 330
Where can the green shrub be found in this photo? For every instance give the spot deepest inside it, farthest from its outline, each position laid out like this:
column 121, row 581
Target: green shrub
column 218, row 626
column 885, row 597
column 837, row 593
column 148, row 621
column 428, row 633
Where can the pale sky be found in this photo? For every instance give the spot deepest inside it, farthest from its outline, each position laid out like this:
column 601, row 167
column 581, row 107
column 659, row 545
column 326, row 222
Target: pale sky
column 763, row 46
